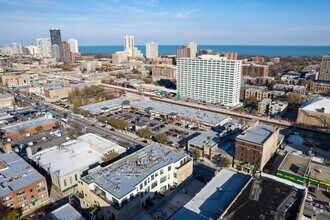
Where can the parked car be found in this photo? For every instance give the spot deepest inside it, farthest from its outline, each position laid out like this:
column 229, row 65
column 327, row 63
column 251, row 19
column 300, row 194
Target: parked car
column 30, row 143
column 44, row 139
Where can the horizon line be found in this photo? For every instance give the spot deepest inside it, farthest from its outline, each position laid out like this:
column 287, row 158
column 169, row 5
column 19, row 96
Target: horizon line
column 273, row 45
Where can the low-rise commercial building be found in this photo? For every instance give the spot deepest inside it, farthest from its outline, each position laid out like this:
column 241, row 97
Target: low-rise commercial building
column 267, row 197
column 119, row 190
column 54, row 94
column 258, row 93
column 71, row 160
column 315, row 112
column 164, row 72
column 66, row 212
column 303, row 170
column 200, row 118
column 206, row 142
column 27, row 127
column 6, row 100
column 14, row 79
column 256, row 146
column 21, row 186
column 320, row 86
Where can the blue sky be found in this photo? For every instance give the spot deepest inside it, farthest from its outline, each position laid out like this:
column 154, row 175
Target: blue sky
column 220, row 22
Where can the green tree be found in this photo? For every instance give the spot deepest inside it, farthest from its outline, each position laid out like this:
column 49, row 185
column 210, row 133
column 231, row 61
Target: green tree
column 225, row 161
column 254, row 112
column 118, row 124
column 57, row 124
column 252, row 100
column 110, row 157
column 9, row 214
column 38, row 129
column 161, row 138
column 145, row 133
column 196, row 153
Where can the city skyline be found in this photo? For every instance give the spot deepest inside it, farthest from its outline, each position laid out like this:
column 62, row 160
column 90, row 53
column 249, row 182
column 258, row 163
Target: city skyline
column 238, row 22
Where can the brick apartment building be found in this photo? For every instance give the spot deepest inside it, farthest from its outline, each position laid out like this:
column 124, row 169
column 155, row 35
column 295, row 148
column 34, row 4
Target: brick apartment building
column 253, row 70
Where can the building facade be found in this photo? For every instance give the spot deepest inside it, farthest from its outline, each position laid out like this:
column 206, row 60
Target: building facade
column 252, row 70
column 129, row 44
column 43, row 45
column 183, row 52
column 256, row 145
column 209, row 78
column 55, row 36
column 65, row 53
column 22, row 187
column 193, row 49
column 325, row 68
column 73, row 45
column 120, row 190
column 151, row 50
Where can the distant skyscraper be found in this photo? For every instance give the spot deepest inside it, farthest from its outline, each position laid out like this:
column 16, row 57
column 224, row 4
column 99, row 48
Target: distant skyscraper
column 55, row 36
column 73, row 45
column 129, row 44
column 17, row 48
column 183, row 52
column 65, row 52
column 43, row 45
column 193, row 49
column 33, row 50
column 209, row 78
column 152, row 50
column 325, row 68
column 55, row 50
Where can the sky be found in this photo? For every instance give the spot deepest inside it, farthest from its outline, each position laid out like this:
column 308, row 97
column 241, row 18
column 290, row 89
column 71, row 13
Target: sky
column 171, row 22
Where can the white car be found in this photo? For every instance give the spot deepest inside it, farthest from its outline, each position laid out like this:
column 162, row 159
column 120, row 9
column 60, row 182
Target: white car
column 67, row 138
column 27, row 135
column 30, row 143
column 44, row 139
column 58, row 134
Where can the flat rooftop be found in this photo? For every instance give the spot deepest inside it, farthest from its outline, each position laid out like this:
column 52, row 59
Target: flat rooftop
column 76, row 155
column 316, row 104
column 66, row 212
column 258, row 134
column 2, row 96
column 121, row 177
column 207, row 139
column 15, row 173
column 160, row 107
column 214, row 198
column 295, row 164
column 320, row 172
column 26, row 124
column 266, row 198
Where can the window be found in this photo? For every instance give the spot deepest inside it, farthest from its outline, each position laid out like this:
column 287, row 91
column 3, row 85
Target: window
column 40, row 184
column 31, row 190
column 41, row 189
column 161, row 171
column 65, row 182
column 32, row 196
column 141, row 186
column 21, row 199
column 154, row 184
column 42, row 196
column 70, row 179
column 76, row 177
column 145, row 182
column 163, row 179
column 21, row 192
column 152, row 177
column 169, row 168
column 174, row 175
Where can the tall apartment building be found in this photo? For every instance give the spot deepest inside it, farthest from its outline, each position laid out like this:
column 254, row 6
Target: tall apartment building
column 73, row 45
column 43, row 45
column 22, row 187
column 16, row 48
column 256, row 145
column 151, row 50
column 55, row 36
column 209, row 78
column 228, row 55
column 325, row 68
column 253, row 70
column 258, row 60
column 55, row 51
column 119, row 190
column 193, row 49
column 129, row 44
column 183, row 52
column 33, row 50
column 65, row 53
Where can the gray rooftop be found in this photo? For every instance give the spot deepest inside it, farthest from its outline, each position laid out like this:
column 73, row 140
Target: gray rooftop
column 67, row 212
column 121, row 177
column 26, row 124
column 160, row 107
column 5, row 96
column 258, row 134
column 16, row 173
column 207, row 139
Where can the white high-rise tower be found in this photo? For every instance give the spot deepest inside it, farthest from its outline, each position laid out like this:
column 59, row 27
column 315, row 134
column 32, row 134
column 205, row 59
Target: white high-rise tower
column 43, row 45
column 193, row 49
column 209, row 78
column 129, row 44
column 73, row 45
column 151, row 50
